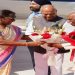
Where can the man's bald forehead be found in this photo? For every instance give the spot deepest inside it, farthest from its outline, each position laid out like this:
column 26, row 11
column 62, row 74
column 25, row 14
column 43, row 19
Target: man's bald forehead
column 71, row 15
column 48, row 6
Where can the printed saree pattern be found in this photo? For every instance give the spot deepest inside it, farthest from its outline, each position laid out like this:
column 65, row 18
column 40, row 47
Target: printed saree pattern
column 7, row 54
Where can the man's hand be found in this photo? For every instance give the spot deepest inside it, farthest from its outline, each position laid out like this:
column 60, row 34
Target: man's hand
column 57, row 45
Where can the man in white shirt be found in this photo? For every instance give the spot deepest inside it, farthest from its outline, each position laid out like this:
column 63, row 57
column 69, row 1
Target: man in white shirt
column 68, row 65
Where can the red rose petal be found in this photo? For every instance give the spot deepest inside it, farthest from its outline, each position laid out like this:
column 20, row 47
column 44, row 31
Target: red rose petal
column 63, row 33
column 34, row 34
column 46, row 35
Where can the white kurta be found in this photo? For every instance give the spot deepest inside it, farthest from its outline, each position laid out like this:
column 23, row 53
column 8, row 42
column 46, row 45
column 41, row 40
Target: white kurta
column 68, row 66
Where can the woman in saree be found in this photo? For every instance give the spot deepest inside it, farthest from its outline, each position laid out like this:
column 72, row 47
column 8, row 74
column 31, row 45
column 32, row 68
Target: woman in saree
column 8, row 32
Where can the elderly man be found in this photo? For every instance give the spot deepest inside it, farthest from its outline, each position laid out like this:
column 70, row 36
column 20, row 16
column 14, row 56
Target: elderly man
column 48, row 18
column 35, row 8
column 69, row 58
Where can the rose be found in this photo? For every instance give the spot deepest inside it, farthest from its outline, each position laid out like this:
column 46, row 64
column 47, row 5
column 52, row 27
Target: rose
column 63, row 33
column 46, row 35
column 34, row 34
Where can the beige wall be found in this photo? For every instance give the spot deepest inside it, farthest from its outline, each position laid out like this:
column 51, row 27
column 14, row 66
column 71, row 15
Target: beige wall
column 22, row 7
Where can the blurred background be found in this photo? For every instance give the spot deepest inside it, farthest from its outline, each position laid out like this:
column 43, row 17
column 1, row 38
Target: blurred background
column 21, row 8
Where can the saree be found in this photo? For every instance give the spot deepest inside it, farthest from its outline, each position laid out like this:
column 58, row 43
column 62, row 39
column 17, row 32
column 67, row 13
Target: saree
column 6, row 52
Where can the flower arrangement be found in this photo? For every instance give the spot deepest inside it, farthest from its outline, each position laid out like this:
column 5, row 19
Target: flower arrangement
column 52, row 35
column 55, row 36
column 49, row 35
